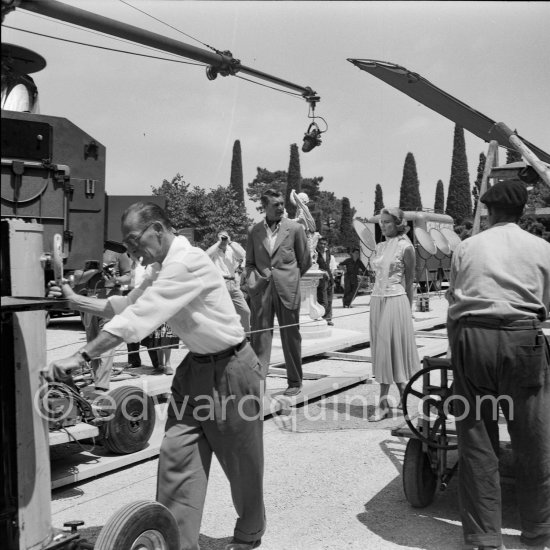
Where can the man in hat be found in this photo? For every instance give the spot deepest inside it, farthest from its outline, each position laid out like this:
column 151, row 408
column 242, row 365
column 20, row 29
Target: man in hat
column 498, row 297
column 228, row 257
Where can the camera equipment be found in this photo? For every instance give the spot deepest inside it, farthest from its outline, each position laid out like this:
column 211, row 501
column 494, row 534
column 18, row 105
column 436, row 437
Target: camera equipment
column 311, row 138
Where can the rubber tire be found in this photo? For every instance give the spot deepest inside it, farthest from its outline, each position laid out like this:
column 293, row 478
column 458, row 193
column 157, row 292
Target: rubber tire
column 124, row 528
column 121, row 435
column 419, row 480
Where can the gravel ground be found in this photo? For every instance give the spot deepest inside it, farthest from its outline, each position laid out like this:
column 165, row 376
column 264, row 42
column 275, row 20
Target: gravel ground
column 332, row 480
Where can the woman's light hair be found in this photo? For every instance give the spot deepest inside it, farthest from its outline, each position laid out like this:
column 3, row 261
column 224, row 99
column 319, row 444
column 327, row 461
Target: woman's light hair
column 398, row 217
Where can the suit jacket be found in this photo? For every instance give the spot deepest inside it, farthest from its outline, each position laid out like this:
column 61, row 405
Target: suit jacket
column 283, row 267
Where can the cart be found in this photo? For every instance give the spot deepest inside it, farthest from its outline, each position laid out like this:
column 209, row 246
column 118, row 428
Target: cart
column 431, row 455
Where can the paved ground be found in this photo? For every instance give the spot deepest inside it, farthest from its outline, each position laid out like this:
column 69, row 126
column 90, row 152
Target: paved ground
column 333, row 480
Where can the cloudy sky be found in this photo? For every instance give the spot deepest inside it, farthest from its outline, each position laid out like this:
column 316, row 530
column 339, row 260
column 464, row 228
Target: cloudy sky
column 159, row 118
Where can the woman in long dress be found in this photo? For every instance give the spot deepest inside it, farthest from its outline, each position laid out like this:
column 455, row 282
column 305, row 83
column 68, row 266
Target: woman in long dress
column 394, row 353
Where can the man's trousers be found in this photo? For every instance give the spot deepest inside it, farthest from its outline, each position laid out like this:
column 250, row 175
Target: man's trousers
column 263, row 309
column 325, row 292
column 215, row 407
column 506, row 363
column 103, row 366
column 241, row 307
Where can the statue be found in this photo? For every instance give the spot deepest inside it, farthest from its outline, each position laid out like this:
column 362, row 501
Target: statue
column 304, row 217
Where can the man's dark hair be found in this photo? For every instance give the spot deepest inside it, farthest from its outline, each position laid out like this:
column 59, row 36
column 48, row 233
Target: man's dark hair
column 268, row 193
column 147, row 212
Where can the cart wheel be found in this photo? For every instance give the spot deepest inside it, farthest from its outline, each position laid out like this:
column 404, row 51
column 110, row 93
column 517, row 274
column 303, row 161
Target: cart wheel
column 419, row 480
column 434, row 398
column 142, row 525
column 132, row 421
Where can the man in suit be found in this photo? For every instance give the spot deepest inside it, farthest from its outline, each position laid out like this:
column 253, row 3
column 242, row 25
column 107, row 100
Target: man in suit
column 325, row 288
column 277, row 255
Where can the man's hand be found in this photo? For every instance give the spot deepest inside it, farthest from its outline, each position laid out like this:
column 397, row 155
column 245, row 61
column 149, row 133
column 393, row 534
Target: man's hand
column 59, row 291
column 61, row 368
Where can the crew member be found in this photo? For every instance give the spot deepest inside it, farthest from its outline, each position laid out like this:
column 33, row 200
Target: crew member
column 325, row 288
column 498, row 296
column 216, row 391
column 228, row 257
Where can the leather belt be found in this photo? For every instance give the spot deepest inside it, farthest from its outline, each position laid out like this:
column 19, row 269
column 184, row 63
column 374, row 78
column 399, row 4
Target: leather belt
column 209, row 358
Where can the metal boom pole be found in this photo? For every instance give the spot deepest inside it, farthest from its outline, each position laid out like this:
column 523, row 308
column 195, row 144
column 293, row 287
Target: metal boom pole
column 224, row 63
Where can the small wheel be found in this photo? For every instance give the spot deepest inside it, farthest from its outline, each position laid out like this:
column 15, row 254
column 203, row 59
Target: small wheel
column 132, row 422
column 142, row 525
column 419, row 480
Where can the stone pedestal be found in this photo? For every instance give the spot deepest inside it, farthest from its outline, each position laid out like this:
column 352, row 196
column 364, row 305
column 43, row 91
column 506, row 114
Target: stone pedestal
column 312, row 324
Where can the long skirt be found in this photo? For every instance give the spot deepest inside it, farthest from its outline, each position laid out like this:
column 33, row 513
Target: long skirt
column 393, row 346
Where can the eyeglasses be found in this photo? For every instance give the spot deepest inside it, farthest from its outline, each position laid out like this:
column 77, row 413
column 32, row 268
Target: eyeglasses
column 132, row 241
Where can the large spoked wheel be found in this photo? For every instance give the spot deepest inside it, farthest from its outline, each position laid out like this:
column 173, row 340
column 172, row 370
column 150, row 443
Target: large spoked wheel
column 141, row 525
column 419, row 480
column 132, row 421
column 432, row 428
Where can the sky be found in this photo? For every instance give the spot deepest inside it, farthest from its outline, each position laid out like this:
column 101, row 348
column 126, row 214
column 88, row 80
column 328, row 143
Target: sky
column 159, row 118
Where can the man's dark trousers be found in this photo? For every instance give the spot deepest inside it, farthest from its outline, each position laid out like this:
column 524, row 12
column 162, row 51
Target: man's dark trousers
column 264, row 308
column 325, row 292
column 215, row 408
column 508, row 361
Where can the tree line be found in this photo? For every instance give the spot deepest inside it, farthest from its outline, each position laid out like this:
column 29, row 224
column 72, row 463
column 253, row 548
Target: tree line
column 208, row 212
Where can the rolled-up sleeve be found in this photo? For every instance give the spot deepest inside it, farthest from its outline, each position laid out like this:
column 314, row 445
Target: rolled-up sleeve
column 154, row 302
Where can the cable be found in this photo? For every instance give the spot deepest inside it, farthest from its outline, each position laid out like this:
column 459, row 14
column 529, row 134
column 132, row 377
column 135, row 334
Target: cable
column 168, row 25
column 104, row 47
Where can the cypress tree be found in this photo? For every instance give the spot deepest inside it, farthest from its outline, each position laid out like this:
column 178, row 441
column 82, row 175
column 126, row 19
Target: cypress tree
column 459, row 202
column 439, row 204
column 236, row 182
column 348, row 236
column 513, row 156
column 409, row 194
column 378, row 199
column 294, row 180
column 477, row 184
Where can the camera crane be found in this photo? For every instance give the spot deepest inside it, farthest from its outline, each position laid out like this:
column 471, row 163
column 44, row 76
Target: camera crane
column 218, row 62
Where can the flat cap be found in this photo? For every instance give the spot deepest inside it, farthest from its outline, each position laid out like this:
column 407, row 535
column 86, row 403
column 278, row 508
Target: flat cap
column 507, row 194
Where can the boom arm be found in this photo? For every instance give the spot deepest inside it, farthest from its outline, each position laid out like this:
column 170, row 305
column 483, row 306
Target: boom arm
column 223, row 62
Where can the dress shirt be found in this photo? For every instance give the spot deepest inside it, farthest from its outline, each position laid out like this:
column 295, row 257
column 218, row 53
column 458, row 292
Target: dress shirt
column 187, row 292
column 272, row 235
column 502, row 272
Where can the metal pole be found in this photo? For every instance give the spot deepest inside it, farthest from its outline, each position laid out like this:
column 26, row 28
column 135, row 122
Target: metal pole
column 83, row 18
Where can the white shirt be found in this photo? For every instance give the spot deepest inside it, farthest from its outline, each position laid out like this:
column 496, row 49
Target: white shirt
column 272, row 235
column 189, row 293
column 229, row 260
column 502, row 272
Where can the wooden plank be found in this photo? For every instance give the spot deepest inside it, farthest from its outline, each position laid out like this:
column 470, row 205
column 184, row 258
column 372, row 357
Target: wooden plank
column 83, row 465
column 69, row 434
column 346, row 356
